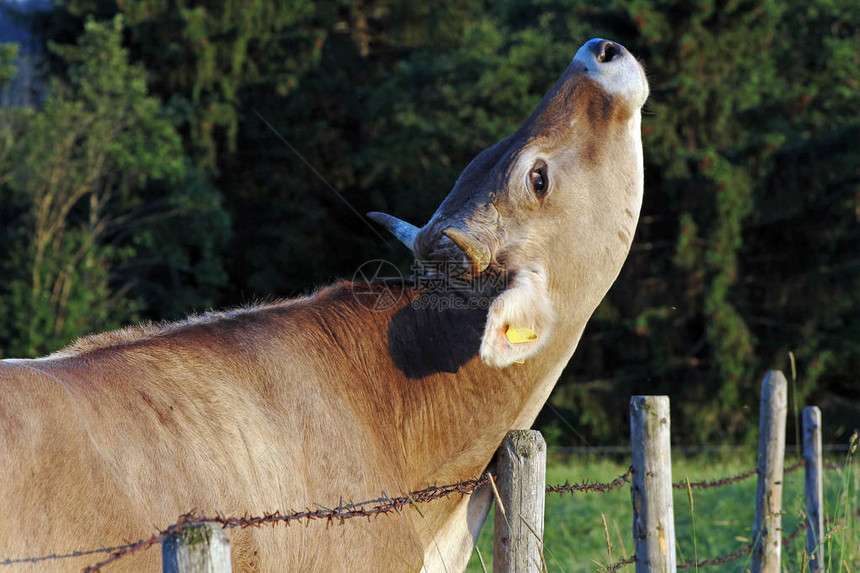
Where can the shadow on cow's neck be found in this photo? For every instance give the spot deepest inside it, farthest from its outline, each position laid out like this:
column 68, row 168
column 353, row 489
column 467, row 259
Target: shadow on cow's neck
column 424, row 339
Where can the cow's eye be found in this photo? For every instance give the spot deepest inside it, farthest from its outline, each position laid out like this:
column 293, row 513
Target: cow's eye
column 538, row 179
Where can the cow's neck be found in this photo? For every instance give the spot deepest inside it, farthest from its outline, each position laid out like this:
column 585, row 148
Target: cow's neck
column 456, row 409
column 439, row 410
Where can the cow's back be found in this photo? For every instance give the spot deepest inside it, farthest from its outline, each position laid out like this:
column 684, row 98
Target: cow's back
column 100, row 447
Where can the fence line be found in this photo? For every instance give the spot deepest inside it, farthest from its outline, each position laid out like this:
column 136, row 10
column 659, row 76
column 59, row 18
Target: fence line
column 767, row 545
column 331, row 515
column 384, row 505
column 187, row 520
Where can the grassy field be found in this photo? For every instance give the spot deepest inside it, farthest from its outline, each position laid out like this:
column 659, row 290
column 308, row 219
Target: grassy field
column 719, row 524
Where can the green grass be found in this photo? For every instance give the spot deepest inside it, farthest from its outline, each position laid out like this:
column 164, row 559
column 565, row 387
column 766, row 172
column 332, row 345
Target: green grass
column 575, row 539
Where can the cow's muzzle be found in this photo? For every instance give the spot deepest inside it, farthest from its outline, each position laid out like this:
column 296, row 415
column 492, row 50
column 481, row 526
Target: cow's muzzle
column 476, row 252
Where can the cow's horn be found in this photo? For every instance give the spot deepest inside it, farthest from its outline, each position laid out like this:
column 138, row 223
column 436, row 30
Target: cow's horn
column 405, row 232
column 476, row 251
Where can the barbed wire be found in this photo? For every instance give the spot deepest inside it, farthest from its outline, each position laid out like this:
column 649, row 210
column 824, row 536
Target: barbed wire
column 385, row 505
column 340, row 514
column 58, row 556
column 794, row 467
column 717, row 560
column 368, row 509
column 786, row 540
column 134, row 547
column 621, row 563
column 837, row 465
column 568, row 487
column 801, row 527
column 714, row 483
column 705, row 484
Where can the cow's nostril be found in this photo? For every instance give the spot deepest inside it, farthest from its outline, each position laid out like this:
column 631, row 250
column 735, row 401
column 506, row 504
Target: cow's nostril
column 607, row 51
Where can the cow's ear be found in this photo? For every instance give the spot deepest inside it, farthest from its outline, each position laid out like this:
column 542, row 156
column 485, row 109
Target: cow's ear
column 519, row 322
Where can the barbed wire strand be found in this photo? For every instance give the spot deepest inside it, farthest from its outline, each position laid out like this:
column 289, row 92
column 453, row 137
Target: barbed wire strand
column 568, row 487
column 794, row 467
column 717, row 560
column 56, row 556
column 837, row 465
column 787, row 540
column 714, row 483
column 379, row 506
column 621, row 563
column 730, row 480
column 340, row 514
column 383, row 506
column 343, row 513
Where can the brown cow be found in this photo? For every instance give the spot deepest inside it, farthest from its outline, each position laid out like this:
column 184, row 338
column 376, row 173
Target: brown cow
column 323, row 399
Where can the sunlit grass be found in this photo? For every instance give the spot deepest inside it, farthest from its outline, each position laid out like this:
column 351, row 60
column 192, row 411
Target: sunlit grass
column 578, row 525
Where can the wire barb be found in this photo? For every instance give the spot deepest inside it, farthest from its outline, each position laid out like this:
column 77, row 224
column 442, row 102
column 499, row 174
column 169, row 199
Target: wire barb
column 568, row 487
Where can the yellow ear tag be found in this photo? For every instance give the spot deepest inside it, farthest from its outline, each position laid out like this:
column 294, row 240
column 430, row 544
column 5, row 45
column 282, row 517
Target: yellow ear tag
column 520, row 335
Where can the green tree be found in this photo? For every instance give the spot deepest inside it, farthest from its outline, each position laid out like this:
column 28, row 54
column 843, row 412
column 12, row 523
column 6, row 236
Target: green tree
column 7, row 66
column 90, row 179
column 801, row 262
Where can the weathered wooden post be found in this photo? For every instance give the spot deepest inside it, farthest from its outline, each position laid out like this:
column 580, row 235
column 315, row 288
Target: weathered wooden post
column 814, row 485
column 767, row 531
column 197, row 548
column 653, row 512
column 518, row 523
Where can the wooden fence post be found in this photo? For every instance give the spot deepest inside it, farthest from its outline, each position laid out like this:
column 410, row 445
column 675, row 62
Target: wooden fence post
column 200, row 548
column 521, row 484
column 653, row 513
column 814, row 486
column 767, row 531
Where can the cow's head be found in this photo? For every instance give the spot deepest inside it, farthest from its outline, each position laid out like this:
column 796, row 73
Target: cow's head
column 554, row 205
